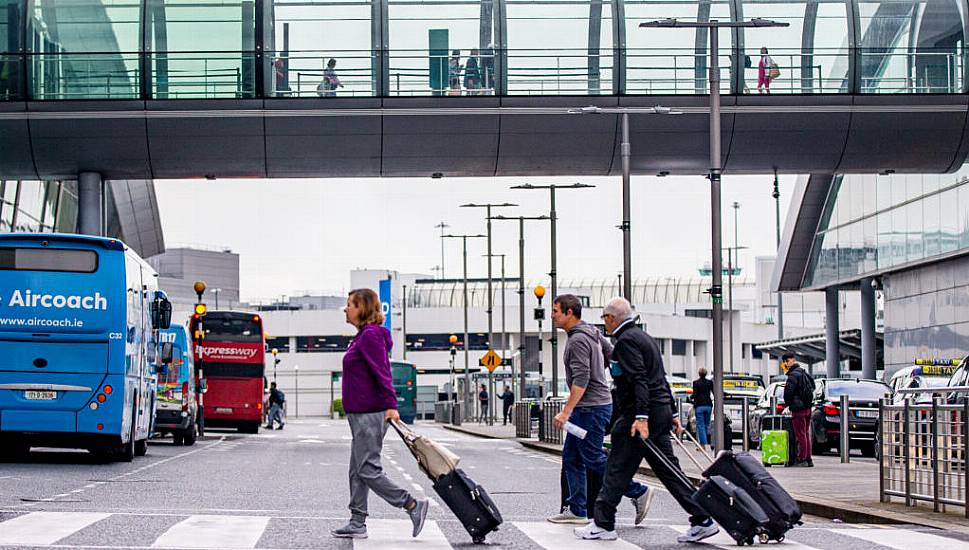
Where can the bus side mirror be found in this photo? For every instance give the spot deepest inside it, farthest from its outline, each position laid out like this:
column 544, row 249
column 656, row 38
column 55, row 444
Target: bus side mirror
column 161, row 314
column 167, row 353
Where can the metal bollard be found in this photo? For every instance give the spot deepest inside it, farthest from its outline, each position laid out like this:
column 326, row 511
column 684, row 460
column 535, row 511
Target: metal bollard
column 745, row 422
column 845, row 440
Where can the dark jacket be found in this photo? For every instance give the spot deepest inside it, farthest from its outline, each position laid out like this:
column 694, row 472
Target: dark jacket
column 276, row 397
column 641, row 384
column 508, row 398
column 703, row 392
column 798, row 389
column 368, row 385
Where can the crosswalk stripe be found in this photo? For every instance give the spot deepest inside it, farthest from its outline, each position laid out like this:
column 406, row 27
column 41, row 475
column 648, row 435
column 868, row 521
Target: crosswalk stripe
column 388, row 534
column 214, row 532
column 723, row 540
column 44, row 528
column 903, row 539
column 553, row 536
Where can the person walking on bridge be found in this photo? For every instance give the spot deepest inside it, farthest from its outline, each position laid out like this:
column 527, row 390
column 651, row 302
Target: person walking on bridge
column 370, row 402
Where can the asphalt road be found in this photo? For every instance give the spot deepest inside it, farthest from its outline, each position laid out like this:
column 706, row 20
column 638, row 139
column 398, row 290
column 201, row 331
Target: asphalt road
column 287, row 489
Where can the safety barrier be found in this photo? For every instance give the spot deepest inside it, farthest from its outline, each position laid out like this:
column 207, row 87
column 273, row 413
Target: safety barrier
column 547, row 432
column 924, row 447
column 523, row 418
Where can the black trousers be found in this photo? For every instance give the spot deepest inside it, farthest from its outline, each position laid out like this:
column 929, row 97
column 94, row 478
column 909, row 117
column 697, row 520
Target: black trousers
column 624, row 459
column 507, row 412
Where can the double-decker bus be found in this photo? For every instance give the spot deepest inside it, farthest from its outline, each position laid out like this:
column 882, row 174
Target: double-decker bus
column 229, row 349
column 176, row 408
column 78, row 338
column 405, row 385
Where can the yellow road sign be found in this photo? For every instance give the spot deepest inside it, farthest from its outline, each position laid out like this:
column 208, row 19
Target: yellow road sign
column 490, row 360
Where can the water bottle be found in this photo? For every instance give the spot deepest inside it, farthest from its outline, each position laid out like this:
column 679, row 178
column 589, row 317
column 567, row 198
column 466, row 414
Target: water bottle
column 575, row 430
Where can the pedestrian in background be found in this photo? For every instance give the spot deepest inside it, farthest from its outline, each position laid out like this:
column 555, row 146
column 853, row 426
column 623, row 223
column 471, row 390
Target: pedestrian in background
column 472, row 73
column 647, row 411
column 507, row 402
column 702, row 404
column 370, row 402
column 454, row 73
column 766, row 71
column 589, row 407
column 799, row 397
column 277, row 399
column 483, row 399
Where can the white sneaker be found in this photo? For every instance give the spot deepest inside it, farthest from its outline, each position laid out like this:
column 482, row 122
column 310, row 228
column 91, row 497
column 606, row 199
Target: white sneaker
column 642, row 504
column 568, row 517
column 699, row 532
column 594, row 532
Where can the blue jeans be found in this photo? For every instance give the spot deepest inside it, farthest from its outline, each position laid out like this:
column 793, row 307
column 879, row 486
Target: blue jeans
column 580, row 456
column 703, row 423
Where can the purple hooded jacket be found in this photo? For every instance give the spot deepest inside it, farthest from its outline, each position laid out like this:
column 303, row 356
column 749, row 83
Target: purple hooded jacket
column 367, row 382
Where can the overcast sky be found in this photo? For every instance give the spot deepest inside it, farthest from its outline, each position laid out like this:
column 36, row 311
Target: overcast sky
column 297, row 236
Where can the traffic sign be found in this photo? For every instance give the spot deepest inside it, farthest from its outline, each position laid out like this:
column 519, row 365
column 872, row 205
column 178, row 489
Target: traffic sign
column 490, row 360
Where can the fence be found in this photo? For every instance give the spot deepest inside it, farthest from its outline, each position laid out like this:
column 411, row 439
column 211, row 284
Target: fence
column 924, row 448
column 523, row 417
column 447, row 412
column 547, row 432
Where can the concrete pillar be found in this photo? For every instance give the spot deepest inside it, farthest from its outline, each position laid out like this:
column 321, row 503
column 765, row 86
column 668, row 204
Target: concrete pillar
column 668, row 354
column 868, row 358
column 89, row 200
column 831, row 332
column 691, row 358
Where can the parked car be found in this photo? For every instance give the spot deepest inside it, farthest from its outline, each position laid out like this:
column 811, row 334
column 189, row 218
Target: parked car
column 863, row 396
column 682, row 389
column 735, row 388
column 763, row 408
column 923, row 374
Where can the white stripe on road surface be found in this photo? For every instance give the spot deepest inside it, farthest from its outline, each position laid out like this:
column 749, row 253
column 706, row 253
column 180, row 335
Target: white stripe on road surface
column 43, row 528
column 552, row 536
column 214, row 532
column 390, row 534
column 723, row 540
column 903, row 539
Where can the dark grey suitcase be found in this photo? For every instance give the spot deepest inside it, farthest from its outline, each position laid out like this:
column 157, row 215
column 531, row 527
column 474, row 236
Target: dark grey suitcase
column 470, row 503
column 733, row 508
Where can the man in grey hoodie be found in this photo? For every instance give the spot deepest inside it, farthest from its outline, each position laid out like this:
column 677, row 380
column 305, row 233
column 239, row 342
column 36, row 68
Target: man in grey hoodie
column 589, row 407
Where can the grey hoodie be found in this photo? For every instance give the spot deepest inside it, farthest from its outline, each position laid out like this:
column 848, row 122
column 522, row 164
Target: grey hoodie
column 585, row 357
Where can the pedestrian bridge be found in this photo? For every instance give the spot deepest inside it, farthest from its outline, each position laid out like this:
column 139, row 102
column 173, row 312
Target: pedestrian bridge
column 171, row 88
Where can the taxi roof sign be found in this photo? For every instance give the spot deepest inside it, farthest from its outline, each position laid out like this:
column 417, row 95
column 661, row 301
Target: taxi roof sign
column 939, row 362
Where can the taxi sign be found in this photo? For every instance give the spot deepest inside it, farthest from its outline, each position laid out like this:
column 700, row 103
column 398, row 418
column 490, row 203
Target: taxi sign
column 490, row 360
column 937, row 370
column 743, row 384
column 938, row 362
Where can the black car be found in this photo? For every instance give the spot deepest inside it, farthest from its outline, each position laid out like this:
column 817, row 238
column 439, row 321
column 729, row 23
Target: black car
column 863, row 396
column 763, row 408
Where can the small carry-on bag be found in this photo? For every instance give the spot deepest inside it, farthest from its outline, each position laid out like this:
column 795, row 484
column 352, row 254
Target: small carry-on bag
column 771, row 455
column 746, row 472
column 466, row 499
column 774, row 448
column 733, row 508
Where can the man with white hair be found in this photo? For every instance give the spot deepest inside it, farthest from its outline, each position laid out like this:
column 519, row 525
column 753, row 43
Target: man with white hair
column 646, row 411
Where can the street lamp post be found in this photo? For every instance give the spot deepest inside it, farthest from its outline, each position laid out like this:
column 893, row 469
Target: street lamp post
column 296, row 373
column 467, row 367
column 491, row 381
column 540, row 316
column 777, row 226
column 553, row 216
column 730, row 256
column 716, row 288
column 442, row 226
column 521, row 293
column 452, row 394
column 275, row 352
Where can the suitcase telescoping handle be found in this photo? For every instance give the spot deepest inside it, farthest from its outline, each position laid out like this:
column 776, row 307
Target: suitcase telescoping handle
column 696, row 445
column 679, row 473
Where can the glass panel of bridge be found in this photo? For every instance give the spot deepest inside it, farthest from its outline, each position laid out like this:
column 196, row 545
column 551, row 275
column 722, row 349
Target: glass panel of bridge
column 674, row 61
column 84, row 49
column 559, row 47
column 907, row 46
column 11, row 48
column 303, row 37
column 441, row 47
column 812, row 54
column 200, row 49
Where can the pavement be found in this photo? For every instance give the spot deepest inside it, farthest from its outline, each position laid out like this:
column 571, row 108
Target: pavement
column 846, row 492
column 287, row 489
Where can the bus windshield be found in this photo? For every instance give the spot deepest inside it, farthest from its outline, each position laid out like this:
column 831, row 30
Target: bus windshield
column 222, row 328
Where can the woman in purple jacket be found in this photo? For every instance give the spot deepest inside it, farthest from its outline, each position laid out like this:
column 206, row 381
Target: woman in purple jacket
column 370, row 402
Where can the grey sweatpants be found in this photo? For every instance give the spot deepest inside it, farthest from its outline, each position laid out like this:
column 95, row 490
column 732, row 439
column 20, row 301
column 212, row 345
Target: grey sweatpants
column 366, row 474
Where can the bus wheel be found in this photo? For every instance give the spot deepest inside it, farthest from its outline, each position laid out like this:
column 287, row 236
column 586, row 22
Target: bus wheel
column 189, row 436
column 178, row 438
column 250, row 428
column 141, row 447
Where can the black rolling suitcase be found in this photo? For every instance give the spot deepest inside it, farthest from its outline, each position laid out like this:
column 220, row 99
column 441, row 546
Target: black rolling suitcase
column 746, row 472
column 732, row 508
column 470, row 503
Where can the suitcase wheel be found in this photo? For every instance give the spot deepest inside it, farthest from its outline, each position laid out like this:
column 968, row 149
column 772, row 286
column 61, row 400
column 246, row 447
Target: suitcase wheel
column 478, row 540
column 764, row 539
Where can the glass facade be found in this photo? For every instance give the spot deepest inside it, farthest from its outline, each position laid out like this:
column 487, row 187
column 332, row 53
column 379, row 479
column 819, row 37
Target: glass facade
column 873, row 223
column 38, row 206
column 237, row 49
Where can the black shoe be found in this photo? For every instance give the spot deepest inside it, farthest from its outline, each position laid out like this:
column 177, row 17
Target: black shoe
column 810, row 463
column 804, row 464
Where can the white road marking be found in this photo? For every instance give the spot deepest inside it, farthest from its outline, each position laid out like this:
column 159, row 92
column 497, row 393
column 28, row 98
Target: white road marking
column 417, row 487
column 558, row 536
column 903, row 539
column 214, row 532
column 407, row 476
column 432, row 502
column 391, row 534
column 43, row 528
column 725, row 541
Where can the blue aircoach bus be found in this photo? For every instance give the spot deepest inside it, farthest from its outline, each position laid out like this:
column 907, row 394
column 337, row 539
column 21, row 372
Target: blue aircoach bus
column 79, row 320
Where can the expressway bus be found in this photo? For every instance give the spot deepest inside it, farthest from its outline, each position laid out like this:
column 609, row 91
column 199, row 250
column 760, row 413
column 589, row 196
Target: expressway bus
column 176, row 408
column 229, row 348
column 405, row 386
column 79, row 320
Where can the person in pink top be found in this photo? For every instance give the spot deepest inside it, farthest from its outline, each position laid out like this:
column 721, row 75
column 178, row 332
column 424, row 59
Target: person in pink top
column 764, row 68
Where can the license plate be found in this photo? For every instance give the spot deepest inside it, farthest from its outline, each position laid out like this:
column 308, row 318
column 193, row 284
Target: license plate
column 223, row 410
column 35, row 395
column 866, row 414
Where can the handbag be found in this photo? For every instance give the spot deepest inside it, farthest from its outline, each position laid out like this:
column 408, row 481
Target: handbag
column 774, row 71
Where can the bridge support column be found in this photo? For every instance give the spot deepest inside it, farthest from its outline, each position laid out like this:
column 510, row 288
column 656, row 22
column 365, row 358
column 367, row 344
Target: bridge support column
column 868, row 356
column 832, row 344
column 90, row 195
